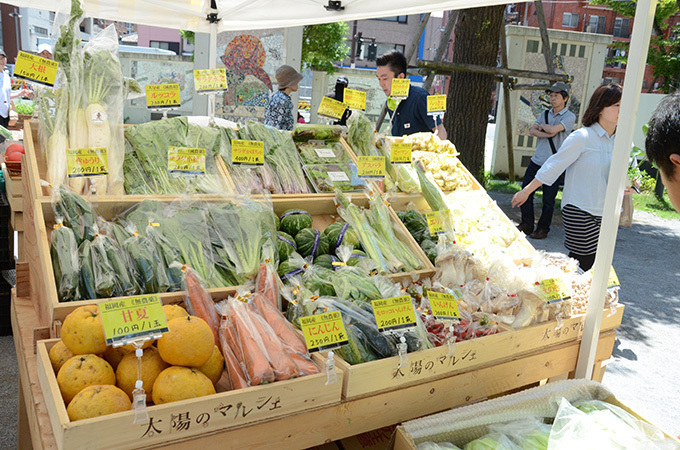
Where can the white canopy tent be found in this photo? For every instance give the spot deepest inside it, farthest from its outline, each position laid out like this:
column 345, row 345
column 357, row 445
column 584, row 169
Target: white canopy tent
column 262, row 14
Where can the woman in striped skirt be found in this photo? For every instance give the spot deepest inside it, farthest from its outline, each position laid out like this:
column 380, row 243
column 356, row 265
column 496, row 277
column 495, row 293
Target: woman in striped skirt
column 585, row 156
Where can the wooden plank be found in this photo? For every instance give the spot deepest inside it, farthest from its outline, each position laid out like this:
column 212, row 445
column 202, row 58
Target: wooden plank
column 402, row 440
column 16, row 220
column 34, row 165
column 218, row 412
column 23, row 426
column 14, row 190
column 427, row 365
column 23, row 286
column 361, row 415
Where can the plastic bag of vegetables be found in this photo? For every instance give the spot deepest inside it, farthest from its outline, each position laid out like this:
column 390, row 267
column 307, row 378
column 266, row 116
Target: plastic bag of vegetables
column 76, row 212
column 65, row 262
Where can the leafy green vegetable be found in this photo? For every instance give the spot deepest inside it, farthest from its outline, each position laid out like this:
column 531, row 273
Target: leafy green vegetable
column 317, row 132
column 65, row 263
column 328, row 177
column 25, row 108
column 76, row 212
column 316, row 153
column 360, row 135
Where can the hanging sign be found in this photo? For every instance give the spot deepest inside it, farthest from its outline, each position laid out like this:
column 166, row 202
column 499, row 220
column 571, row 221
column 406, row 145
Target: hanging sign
column 132, row 318
column 186, row 160
column 437, row 222
column 400, row 87
column 210, row 80
column 554, row 290
column 247, row 152
column 162, row 96
column 331, row 108
column 400, row 152
column 436, row 103
column 34, row 68
column 86, row 162
column 394, row 313
column 444, row 306
column 371, row 166
column 355, row 99
column 323, row 331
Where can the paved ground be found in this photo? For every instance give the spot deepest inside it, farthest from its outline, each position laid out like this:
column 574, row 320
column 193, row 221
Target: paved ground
column 646, row 357
column 8, row 394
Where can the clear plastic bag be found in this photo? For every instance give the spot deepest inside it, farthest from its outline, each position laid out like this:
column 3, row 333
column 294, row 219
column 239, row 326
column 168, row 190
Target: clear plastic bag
column 65, row 262
column 198, row 300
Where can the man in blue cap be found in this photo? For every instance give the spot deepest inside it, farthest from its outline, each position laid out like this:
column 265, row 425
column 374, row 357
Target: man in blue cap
column 551, row 128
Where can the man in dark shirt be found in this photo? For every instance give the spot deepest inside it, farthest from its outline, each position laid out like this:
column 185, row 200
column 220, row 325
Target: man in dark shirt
column 410, row 115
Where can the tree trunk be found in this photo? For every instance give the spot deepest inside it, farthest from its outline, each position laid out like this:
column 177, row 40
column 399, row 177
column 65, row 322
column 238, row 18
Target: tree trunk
column 469, row 96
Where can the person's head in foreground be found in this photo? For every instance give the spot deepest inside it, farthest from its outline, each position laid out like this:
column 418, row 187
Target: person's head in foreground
column 663, row 145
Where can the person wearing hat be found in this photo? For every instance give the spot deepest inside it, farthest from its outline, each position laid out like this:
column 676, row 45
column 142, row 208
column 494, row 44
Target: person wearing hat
column 278, row 112
column 44, row 51
column 551, row 128
column 6, row 92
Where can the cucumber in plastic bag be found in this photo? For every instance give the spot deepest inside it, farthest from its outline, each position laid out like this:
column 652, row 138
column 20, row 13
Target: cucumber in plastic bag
column 65, row 263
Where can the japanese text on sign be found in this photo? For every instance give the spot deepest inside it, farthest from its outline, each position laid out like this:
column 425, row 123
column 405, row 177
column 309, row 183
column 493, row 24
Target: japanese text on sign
column 186, row 160
column 132, row 318
column 613, row 280
column 554, row 290
column 247, row 152
column 371, row 166
column 444, row 306
column 86, row 162
column 355, row 99
column 400, row 152
column 210, row 80
column 34, row 68
column 338, row 176
column 162, row 95
column 331, row 108
column 434, row 365
column 400, row 87
column 437, row 222
column 436, row 103
column 323, row 331
column 394, row 313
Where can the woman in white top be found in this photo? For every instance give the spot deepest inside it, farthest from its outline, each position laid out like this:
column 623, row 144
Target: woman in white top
column 586, row 156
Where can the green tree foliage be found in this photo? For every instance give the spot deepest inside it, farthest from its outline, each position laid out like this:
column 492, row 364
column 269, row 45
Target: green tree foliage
column 663, row 55
column 323, row 45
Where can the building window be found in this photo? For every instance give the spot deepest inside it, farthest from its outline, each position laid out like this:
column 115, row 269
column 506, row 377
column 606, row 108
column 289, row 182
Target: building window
column 581, row 51
column 572, row 50
column 532, row 46
column 563, row 50
column 596, row 24
column 40, row 31
column 520, row 141
column 621, row 27
column 530, row 142
column 382, row 48
column 173, row 46
column 570, row 20
column 398, row 19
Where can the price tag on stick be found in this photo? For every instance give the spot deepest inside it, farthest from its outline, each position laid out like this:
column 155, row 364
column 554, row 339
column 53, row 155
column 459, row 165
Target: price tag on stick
column 436, row 104
column 34, row 68
column 159, row 96
column 133, row 319
column 186, row 160
column 400, row 152
column 444, row 306
column 394, row 313
column 210, row 80
column 355, row 99
column 86, row 162
column 400, row 87
column 323, row 331
column 331, row 108
column 439, row 222
column 247, row 152
column 554, row 290
column 371, row 166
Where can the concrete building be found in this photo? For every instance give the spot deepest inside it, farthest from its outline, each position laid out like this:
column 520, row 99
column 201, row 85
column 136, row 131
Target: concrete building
column 24, row 29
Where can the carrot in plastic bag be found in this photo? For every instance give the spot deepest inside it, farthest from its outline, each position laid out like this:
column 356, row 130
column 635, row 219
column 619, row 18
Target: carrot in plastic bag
column 280, row 360
column 267, row 284
column 281, row 326
column 257, row 367
column 305, row 365
column 237, row 378
column 199, row 303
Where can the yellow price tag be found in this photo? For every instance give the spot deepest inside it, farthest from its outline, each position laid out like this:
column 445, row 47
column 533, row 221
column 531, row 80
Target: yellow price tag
column 34, row 68
column 554, row 290
column 86, row 162
column 331, row 108
column 400, row 87
column 371, row 166
column 400, row 152
column 355, row 99
column 162, row 96
column 394, row 313
column 438, row 222
column 613, row 279
column 210, row 80
column 186, row 160
column 444, row 306
column 436, row 103
column 247, row 152
column 323, row 331
column 133, row 318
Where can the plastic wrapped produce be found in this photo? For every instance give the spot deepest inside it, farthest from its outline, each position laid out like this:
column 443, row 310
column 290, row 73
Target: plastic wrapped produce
column 65, row 262
column 317, row 132
column 198, row 302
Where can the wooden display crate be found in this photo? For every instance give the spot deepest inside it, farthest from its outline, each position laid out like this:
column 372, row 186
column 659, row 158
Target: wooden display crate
column 425, row 366
column 173, row 422
column 44, row 289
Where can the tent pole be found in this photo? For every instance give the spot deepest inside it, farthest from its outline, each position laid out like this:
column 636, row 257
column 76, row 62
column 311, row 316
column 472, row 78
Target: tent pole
column 212, row 55
column 618, row 174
